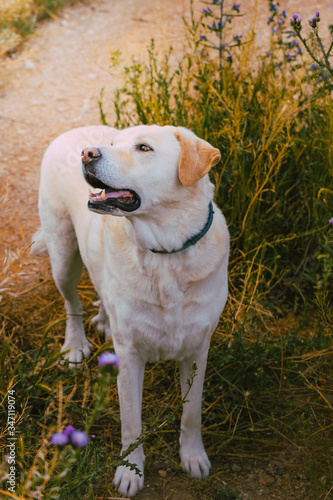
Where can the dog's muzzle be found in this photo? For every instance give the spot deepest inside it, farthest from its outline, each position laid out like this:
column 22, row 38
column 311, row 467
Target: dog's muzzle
column 107, row 198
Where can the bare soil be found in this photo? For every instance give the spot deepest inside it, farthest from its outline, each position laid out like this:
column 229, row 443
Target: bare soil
column 53, row 85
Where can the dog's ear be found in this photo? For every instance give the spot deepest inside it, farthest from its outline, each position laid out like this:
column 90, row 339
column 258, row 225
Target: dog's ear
column 197, row 157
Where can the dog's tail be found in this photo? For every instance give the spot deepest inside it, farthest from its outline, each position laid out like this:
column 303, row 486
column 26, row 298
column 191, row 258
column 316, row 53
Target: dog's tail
column 38, row 246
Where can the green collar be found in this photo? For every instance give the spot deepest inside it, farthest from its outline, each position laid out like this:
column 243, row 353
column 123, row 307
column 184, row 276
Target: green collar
column 193, row 240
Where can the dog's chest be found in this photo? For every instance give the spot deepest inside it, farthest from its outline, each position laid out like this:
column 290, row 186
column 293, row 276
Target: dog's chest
column 158, row 311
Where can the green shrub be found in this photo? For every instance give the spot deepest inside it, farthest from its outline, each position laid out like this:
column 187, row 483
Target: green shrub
column 272, row 122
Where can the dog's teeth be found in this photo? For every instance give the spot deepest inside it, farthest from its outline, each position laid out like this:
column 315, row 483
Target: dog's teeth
column 102, row 195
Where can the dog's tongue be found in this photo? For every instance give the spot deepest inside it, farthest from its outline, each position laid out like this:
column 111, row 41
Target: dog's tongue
column 117, row 194
column 105, row 194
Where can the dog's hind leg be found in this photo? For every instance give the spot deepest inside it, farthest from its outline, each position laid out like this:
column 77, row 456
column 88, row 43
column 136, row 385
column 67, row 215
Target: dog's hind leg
column 101, row 321
column 193, row 456
column 66, row 264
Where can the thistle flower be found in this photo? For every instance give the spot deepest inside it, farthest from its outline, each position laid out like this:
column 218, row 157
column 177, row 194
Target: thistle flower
column 295, row 22
column 108, row 363
column 314, row 20
column 79, row 438
column 68, row 431
column 108, row 358
column 59, row 439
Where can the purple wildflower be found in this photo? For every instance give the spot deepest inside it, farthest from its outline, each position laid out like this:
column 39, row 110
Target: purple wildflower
column 59, row 439
column 331, row 220
column 295, row 22
column 68, row 430
column 108, row 358
column 236, row 7
column 79, row 438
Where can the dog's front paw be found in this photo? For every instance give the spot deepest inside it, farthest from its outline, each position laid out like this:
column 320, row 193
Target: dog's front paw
column 127, row 481
column 195, row 462
column 78, row 349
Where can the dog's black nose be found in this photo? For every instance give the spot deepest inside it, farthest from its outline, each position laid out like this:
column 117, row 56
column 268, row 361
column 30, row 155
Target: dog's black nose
column 89, row 154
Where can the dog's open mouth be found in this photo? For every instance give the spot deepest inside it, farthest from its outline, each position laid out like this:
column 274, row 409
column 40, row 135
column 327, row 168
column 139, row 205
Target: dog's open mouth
column 104, row 199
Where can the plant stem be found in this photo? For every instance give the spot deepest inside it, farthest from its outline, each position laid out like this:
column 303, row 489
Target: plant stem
column 327, row 63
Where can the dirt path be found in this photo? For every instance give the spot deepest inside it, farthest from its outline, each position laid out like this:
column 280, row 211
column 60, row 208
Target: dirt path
column 52, row 86
column 54, row 83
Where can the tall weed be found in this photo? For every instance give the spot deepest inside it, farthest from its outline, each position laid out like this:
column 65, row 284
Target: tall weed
column 272, row 121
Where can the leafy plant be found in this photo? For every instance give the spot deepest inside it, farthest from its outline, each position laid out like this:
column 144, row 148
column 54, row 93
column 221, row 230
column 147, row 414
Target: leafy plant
column 272, row 126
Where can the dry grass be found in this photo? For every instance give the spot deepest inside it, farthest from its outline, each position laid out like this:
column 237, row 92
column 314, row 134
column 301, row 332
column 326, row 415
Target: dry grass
column 268, row 387
column 18, row 19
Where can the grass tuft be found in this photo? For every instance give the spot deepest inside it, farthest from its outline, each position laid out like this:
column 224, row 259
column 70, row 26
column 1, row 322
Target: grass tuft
column 19, row 18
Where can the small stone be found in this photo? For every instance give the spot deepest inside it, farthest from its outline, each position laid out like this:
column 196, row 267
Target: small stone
column 162, row 473
column 29, row 65
column 266, row 480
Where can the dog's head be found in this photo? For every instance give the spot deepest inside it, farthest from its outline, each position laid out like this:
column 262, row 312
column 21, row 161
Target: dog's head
column 145, row 166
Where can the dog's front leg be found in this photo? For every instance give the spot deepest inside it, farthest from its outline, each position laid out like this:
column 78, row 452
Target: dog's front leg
column 193, row 456
column 130, row 382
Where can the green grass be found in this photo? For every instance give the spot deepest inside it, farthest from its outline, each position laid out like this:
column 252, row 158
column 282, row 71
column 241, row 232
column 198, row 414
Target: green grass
column 264, row 387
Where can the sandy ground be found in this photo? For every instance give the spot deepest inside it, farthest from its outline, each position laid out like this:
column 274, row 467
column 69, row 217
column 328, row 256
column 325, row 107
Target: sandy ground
column 53, row 85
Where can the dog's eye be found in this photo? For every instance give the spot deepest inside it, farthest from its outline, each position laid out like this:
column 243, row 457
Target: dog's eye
column 143, row 147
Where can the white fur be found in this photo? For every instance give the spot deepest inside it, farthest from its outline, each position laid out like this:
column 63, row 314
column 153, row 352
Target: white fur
column 154, row 306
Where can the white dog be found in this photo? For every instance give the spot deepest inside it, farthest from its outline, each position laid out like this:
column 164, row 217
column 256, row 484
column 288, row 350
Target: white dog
column 156, row 249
